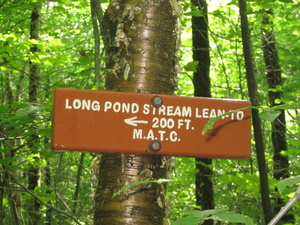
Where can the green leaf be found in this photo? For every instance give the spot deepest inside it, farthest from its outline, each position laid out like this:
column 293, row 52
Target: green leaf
column 191, row 66
column 210, row 124
column 25, row 111
column 194, row 11
column 4, row 109
column 288, row 182
column 286, row 1
column 276, row 89
column 31, row 108
column 5, row 202
column 232, row 217
column 86, row 60
column 17, row 105
column 43, row 194
column 55, row 44
column 205, row 214
column 195, row 217
column 269, row 114
column 45, row 131
column 10, row 37
column 6, row 161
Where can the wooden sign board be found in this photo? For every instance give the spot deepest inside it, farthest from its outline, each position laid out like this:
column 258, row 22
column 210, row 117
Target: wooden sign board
column 105, row 121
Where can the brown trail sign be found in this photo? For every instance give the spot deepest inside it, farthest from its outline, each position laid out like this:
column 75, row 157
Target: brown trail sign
column 105, row 121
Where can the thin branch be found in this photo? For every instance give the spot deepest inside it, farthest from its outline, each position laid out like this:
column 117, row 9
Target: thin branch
column 285, row 208
column 11, row 138
column 41, row 201
column 291, row 133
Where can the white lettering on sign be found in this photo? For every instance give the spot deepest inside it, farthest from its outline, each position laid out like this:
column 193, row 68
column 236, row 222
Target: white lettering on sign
column 165, row 118
column 161, row 135
column 184, row 123
column 184, row 111
column 82, row 104
column 121, row 107
column 175, row 111
column 208, row 113
column 163, row 123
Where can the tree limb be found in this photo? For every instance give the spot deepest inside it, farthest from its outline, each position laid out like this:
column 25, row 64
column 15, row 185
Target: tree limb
column 285, row 208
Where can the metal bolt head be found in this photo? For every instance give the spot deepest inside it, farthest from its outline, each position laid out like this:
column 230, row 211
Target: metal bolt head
column 156, row 101
column 154, row 146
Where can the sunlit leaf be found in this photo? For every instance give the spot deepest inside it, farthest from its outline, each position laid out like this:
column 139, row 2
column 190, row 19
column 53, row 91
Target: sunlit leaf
column 55, row 44
column 191, row 66
column 288, row 182
column 210, row 124
column 269, row 115
column 232, row 217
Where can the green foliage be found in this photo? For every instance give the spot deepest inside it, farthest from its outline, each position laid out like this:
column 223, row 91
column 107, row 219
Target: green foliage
column 7, row 161
column 222, row 215
column 181, row 189
column 269, row 115
column 210, row 124
column 191, row 66
column 288, row 182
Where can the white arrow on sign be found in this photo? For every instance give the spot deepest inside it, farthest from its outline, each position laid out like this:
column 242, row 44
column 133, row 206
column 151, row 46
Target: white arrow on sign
column 133, row 122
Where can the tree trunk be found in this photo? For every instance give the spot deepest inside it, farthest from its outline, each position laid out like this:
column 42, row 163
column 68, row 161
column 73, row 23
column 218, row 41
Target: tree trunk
column 34, row 170
column 253, row 93
column 201, row 81
column 141, row 38
column 78, row 182
column 273, row 73
column 96, row 12
column 48, row 183
column 201, row 54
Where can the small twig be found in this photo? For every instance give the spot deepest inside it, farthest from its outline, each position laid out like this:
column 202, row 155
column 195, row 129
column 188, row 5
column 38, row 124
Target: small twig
column 295, row 136
column 285, row 208
column 11, row 138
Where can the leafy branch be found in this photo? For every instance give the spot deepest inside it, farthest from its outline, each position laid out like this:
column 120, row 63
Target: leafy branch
column 223, row 215
column 210, row 124
column 268, row 114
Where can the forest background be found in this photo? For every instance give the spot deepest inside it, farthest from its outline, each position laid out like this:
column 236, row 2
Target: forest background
column 58, row 187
